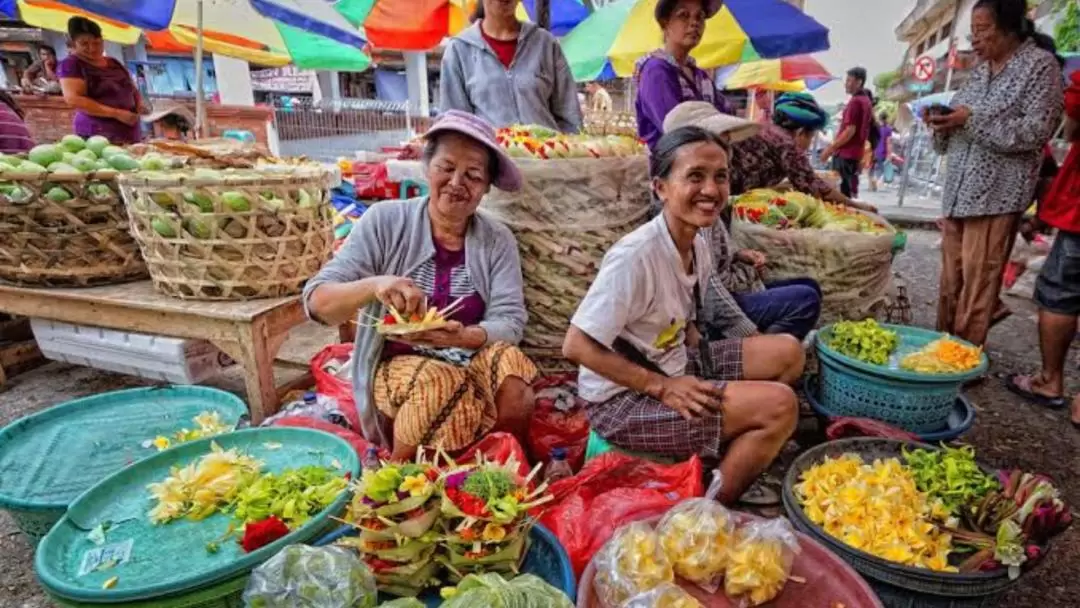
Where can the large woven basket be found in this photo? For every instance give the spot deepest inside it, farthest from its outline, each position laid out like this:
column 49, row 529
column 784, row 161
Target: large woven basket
column 231, row 236
column 78, row 242
column 611, row 123
column 568, row 214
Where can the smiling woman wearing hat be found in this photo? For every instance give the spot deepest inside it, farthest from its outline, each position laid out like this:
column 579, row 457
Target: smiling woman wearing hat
column 669, row 76
column 445, row 387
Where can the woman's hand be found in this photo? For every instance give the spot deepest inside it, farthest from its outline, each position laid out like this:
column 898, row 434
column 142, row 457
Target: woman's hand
column 401, row 294
column 453, row 335
column 944, row 123
column 128, row 118
column 863, row 205
column 691, row 397
column 756, row 259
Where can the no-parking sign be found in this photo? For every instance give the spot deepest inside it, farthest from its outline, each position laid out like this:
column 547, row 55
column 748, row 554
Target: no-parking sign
column 924, row 68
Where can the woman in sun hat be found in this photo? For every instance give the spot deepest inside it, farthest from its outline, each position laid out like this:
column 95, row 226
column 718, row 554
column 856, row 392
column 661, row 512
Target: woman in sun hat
column 446, row 387
column 669, row 76
column 785, row 307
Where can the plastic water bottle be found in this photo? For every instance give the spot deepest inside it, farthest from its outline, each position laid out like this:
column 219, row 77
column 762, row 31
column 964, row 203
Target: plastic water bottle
column 558, row 468
column 371, row 459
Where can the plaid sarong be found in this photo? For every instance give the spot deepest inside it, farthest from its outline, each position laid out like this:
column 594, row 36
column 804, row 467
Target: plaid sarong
column 638, row 423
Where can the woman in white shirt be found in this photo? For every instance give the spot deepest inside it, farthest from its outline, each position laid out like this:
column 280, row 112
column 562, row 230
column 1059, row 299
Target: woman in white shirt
column 652, row 382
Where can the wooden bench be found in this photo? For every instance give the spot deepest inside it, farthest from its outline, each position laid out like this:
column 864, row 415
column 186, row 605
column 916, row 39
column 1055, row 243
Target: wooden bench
column 250, row 332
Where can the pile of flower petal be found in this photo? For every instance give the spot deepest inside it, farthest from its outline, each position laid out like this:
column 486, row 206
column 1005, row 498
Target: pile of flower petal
column 876, row 508
column 631, row 563
column 203, row 487
column 943, row 356
column 485, row 521
column 207, row 424
column 395, row 508
column 760, row 561
column 697, row 534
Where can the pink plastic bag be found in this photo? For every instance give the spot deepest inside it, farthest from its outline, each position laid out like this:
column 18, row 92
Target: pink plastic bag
column 330, row 385
column 610, row 491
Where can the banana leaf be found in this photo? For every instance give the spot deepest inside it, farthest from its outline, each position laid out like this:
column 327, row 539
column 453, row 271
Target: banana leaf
column 409, row 580
column 511, row 553
column 411, row 528
column 405, row 552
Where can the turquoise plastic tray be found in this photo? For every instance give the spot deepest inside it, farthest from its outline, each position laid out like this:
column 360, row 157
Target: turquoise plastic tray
column 911, row 340
column 49, row 458
column 171, row 559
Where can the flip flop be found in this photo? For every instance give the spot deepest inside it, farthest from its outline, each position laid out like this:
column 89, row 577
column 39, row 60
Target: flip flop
column 760, row 495
column 1013, row 383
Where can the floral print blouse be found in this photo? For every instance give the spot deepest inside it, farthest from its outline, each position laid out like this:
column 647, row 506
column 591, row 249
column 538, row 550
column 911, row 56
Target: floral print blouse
column 993, row 160
column 770, row 157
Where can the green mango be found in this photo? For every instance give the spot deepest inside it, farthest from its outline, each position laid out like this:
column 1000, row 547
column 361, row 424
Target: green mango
column 97, row 144
column 84, row 164
column 163, row 199
column 163, row 227
column 198, row 227
column 45, row 155
column 63, row 169
column 123, row 162
column 58, row 194
column 200, row 200
column 236, row 201
column 110, row 151
column 72, row 143
column 29, row 167
column 67, row 157
column 11, row 161
column 152, row 162
column 86, row 154
column 100, row 191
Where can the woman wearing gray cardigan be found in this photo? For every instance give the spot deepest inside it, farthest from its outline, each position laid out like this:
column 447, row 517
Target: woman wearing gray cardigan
column 444, row 387
column 508, row 72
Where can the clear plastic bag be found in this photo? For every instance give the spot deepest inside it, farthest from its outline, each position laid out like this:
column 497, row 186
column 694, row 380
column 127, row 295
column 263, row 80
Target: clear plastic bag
column 696, row 535
column 311, row 577
column 631, row 563
column 668, row 595
column 760, row 561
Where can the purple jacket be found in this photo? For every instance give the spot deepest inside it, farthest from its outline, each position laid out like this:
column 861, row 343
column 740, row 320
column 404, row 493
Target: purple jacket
column 662, row 86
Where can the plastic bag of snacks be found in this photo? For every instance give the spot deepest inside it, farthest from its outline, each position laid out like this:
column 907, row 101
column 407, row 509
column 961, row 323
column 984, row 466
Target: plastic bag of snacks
column 668, row 595
column 632, row 562
column 696, row 535
column 760, row 561
column 311, row 577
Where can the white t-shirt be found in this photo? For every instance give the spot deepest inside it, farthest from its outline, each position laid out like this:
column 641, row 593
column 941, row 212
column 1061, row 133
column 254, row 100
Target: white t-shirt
column 642, row 295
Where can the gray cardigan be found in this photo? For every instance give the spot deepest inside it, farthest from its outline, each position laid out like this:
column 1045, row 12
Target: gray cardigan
column 537, row 89
column 394, row 238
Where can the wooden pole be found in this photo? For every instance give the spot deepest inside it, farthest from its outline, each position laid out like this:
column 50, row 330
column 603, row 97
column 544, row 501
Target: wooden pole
column 543, row 14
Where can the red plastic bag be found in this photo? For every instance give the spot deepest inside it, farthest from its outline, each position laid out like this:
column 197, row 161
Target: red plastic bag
column 332, row 386
column 552, row 427
column 840, row 428
column 356, row 440
column 613, row 490
column 498, row 447
column 372, row 182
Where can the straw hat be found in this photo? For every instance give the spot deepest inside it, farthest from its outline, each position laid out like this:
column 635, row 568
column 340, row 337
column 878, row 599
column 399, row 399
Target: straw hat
column 166, row 108
column 509, row 177
column 705, row 115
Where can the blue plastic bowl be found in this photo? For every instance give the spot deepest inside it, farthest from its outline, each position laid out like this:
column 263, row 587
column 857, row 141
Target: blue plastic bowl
column 546, row 559
column 915, row 402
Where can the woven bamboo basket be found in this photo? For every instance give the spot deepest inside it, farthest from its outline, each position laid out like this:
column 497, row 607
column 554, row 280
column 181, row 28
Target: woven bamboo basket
column 569, row 213
column 46, row 241
column 231, row 236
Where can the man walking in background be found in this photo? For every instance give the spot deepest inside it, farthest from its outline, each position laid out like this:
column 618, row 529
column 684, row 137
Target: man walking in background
column 850, row 143
column 599, row 98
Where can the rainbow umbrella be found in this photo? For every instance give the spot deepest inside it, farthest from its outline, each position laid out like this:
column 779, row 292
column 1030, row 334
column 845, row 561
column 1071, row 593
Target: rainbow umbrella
column 565, row 14
column 612, row 39
column 232, row 28
column 401, row 25
column 795, row 73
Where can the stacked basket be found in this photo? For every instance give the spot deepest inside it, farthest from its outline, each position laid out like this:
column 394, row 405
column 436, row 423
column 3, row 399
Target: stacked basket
column 65, row 230
column 567, row 215
column 212, row 235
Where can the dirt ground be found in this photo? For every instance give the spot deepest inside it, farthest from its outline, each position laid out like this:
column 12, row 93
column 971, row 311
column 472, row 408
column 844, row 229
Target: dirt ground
column 1007, row 432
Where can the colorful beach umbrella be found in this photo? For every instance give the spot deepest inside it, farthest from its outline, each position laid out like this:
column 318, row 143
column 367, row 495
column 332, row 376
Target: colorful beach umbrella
column 795, row 73
column 401, row 25
column 612, row 39
column 230, row 27
column 565, row 14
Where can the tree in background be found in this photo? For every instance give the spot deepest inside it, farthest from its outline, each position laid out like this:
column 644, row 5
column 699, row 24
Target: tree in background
column 1067, row 30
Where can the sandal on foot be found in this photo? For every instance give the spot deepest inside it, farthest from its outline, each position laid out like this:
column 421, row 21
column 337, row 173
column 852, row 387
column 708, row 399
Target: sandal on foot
column 760, row 495
column 1021, row 385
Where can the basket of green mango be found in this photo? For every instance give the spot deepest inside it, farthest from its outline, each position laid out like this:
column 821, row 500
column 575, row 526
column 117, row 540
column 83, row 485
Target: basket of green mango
column 233, row 234
column 62, row 220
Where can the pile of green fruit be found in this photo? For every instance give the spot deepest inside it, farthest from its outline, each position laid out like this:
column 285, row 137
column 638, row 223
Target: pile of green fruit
column 865, row 341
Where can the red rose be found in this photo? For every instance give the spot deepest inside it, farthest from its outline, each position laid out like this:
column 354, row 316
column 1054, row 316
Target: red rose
column 261, row 533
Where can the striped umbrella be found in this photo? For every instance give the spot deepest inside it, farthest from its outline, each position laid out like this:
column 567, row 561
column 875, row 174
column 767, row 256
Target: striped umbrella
column 232, row 28
column 401, row 25
column 795, row 73
column 613, row 38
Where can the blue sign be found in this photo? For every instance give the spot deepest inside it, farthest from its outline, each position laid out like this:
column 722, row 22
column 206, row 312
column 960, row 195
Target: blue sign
column 920, row 87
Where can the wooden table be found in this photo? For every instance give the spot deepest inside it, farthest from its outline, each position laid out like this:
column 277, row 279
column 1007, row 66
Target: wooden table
column 250, row 332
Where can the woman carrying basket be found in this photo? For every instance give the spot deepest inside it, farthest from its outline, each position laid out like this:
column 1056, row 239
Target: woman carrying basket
column 653, row 383
column 444, row 387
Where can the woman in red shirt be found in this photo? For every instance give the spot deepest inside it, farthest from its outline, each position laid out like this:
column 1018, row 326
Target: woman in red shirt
column 1057, row 291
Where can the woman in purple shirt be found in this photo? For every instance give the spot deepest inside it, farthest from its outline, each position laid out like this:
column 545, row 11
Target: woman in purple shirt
column 669, row 76
column 99, row 87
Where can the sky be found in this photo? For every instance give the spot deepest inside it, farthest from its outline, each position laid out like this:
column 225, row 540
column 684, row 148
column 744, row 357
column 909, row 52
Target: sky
column 861, row 32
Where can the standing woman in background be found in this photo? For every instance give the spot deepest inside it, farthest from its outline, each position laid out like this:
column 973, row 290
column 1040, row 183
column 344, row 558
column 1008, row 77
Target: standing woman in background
column 99, row 87
column 994, row 134
column 669, row 76
column 508, row 72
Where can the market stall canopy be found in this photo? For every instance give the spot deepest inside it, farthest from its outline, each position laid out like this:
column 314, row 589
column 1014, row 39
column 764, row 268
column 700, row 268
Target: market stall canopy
column 565, row 14
column 230, row 27
column 795, row 73
column 612, row 39
column 404, row 25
